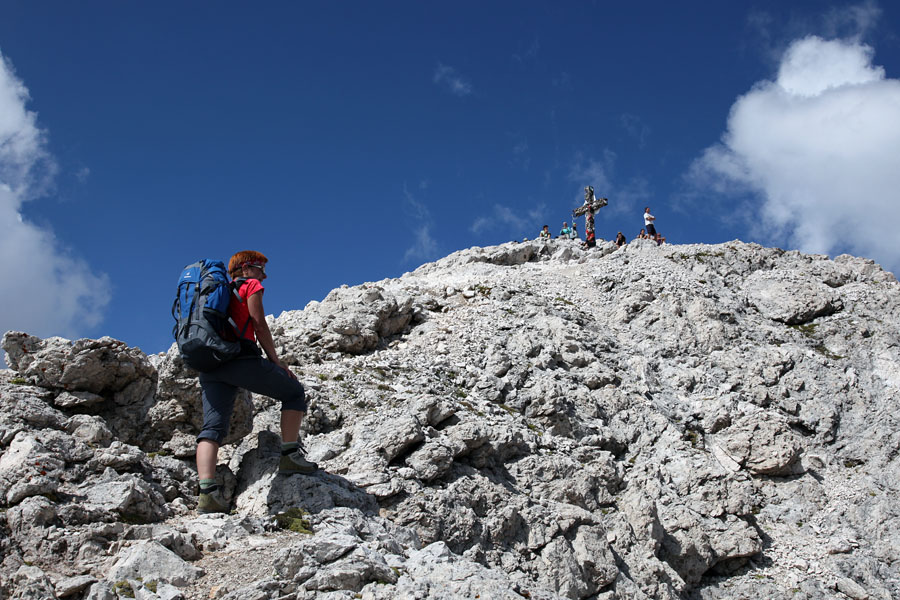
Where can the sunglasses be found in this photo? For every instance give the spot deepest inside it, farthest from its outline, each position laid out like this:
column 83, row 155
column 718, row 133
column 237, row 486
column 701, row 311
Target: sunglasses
column 259, row 266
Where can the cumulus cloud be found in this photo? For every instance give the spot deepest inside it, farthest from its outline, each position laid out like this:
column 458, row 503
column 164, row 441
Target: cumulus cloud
column 819, row 147
column 56, row 293
column 448, row 78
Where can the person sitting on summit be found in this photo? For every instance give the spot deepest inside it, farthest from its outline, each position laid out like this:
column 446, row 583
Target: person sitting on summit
column 545, row 233
column 565, row 232
column 620, row 240
column 573, row 233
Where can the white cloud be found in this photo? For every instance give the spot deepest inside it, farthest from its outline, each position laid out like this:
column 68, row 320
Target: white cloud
column 774, row 33
column 524, row 222
column 631, row 198
column 448, row 78
column 23, row 159
column 853, row 21
column 82, row 174
column 636, row 128
column 56, row 292
column 599, row 172
column 592, row 171
column 820, row 148
column 517, row 221
column 424, row 247
column 521, row 157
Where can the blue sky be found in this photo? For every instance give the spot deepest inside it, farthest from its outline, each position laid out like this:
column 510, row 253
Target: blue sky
column 354, row 141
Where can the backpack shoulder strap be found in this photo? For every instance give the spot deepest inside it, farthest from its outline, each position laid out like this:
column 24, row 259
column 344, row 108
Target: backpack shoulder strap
column 236, row 285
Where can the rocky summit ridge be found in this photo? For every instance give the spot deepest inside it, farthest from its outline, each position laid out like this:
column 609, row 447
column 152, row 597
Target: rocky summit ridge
column 528, row 420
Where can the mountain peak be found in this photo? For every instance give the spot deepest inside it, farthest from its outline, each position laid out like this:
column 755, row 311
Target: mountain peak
column 524, row 420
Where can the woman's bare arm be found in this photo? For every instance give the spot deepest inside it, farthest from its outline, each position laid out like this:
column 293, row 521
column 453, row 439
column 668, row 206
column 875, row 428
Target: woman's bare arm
column 263, row 334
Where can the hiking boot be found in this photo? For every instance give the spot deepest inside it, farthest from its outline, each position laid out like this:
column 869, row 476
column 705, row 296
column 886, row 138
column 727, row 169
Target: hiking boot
column 296, row 462
column 212, row 502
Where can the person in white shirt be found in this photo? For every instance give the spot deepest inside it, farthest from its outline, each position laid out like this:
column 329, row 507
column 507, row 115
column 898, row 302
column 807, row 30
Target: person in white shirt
column 648, row 222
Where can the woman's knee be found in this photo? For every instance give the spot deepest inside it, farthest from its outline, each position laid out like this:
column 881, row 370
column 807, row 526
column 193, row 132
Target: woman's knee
column 296, row 400
column 213, row 434
column 216, row 420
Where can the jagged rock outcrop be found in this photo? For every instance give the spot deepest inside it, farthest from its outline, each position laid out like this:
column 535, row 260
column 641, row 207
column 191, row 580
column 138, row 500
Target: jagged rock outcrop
column 527, row 420
column 348, row 320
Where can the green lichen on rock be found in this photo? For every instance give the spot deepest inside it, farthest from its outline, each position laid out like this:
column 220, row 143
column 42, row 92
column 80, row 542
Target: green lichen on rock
column 294, row 519
column 123, row 589
column 807, row 329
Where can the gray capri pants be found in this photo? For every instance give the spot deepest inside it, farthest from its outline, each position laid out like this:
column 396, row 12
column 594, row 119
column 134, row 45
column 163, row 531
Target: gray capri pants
column 256, row 374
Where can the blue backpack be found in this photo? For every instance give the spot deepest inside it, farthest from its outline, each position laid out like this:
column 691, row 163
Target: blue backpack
column 205, row 334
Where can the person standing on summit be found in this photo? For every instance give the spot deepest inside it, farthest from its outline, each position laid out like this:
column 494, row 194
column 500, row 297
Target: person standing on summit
column 648, row 222
column 249, row 370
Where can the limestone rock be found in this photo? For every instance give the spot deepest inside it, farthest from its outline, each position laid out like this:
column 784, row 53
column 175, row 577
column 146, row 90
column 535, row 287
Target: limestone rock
column 791, row 297
column 28, row 468
column 127, row 495
column 763, row 446
column 525, row 420
column 97, row 366
column 435, row 572
column 350, row 320
column 72, row 585
column 30, row 583
column 150, row 561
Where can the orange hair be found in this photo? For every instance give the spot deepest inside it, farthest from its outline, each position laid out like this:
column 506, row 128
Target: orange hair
column 243, row 257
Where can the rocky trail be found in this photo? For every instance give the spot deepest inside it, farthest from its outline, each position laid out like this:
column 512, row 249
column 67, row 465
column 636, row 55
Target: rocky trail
column 527, row 420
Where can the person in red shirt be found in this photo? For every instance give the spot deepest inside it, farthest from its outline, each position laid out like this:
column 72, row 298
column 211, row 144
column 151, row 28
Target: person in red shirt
column 267, row 376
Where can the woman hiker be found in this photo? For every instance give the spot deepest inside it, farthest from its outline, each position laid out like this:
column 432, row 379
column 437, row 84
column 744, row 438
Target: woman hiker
column 267, row 376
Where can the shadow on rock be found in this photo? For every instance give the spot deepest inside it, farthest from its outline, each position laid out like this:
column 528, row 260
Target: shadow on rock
column 261, row 490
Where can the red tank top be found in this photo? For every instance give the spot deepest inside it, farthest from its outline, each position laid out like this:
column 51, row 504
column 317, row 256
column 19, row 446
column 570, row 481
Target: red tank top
column 240, row 312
